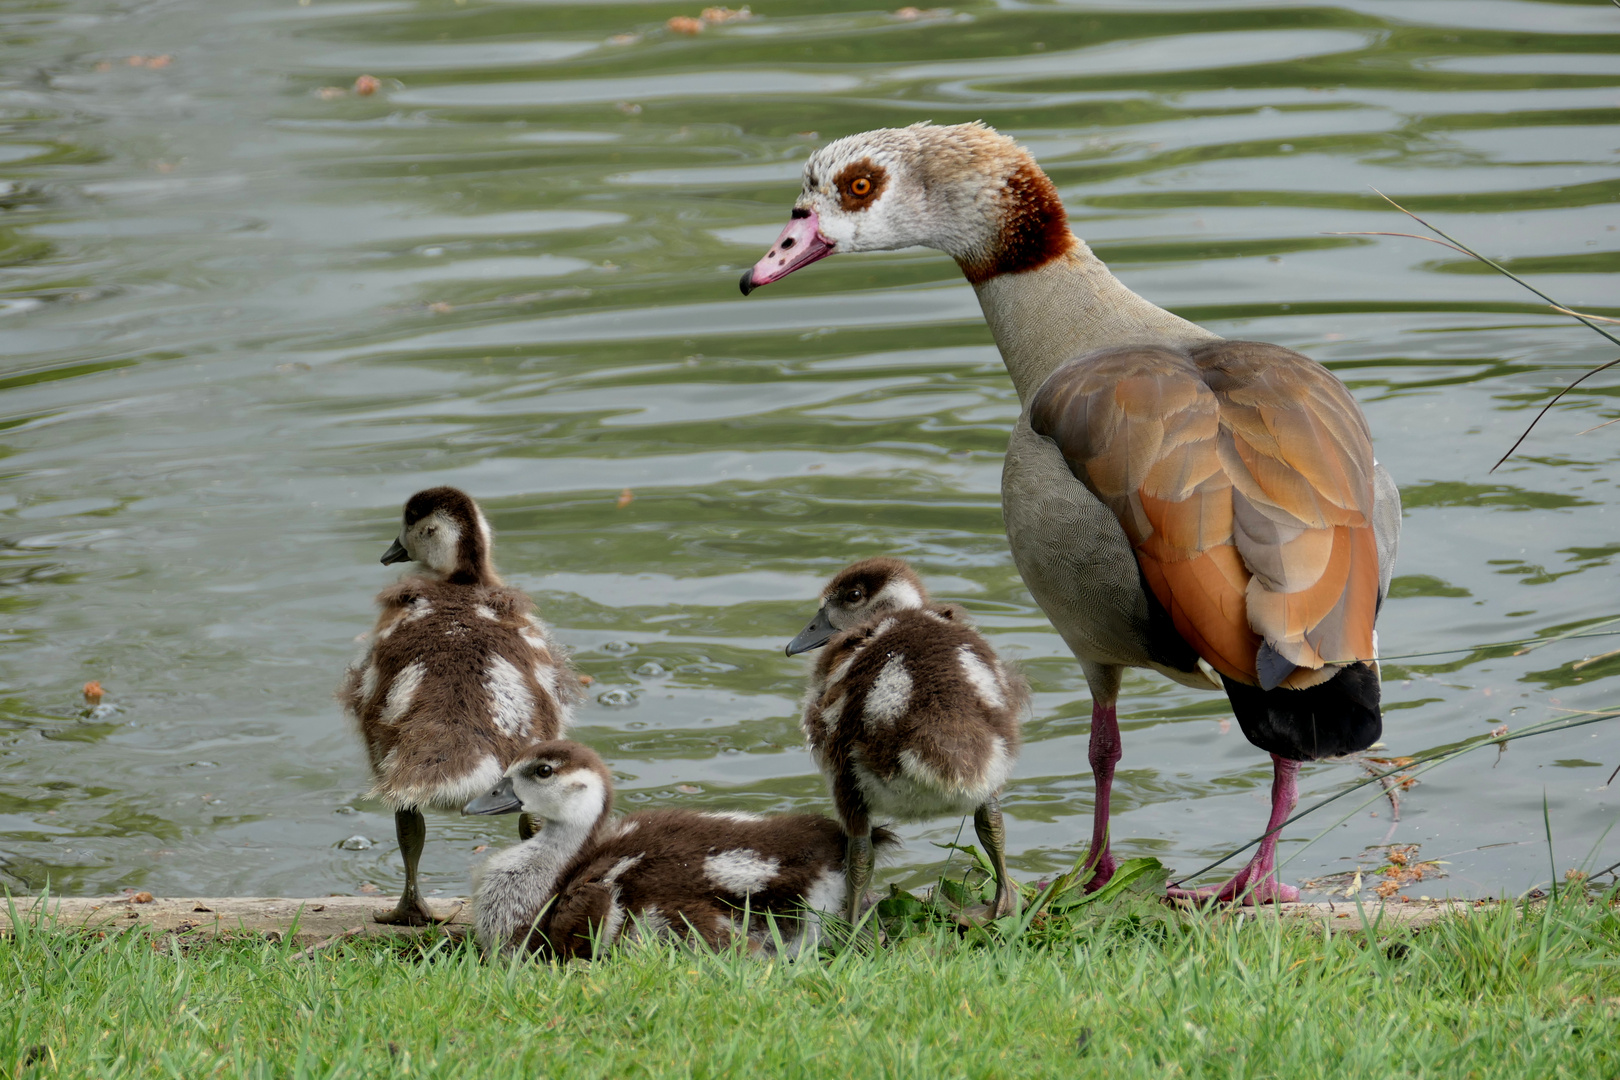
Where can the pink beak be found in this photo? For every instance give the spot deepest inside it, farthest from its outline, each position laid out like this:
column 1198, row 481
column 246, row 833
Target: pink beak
column 800, row 244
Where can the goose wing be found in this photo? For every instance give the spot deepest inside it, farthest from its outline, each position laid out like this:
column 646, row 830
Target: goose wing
column 1299, row 454
column 1242, row 476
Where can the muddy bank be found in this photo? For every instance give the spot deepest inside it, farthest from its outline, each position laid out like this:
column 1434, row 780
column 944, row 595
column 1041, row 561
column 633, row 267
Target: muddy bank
column 316, row 919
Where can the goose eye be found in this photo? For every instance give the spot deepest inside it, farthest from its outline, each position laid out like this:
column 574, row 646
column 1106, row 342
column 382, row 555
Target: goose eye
column 860, row 186
column 857, row 594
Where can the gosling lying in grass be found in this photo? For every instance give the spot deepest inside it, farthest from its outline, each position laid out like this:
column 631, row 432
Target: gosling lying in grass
column 585, row 880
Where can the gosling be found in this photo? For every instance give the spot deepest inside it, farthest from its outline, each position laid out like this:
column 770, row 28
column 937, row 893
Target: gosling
column 909, row 714
column 460, row 680
column 585, row 881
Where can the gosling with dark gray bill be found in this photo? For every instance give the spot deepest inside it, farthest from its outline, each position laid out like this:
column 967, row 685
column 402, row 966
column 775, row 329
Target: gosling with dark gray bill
column 460, row 679
column 585, row 881
column 909, row 713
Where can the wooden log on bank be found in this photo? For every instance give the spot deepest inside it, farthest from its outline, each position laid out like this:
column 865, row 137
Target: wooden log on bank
column 319, row 920
column 307, row 921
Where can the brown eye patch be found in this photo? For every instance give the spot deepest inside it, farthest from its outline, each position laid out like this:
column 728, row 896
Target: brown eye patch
column 859, row 184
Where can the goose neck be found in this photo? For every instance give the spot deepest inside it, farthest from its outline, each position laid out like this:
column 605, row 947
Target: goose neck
column 553, row 849
column 1066, row 307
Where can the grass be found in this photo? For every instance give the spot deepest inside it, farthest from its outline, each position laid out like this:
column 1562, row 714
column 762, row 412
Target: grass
column 1120, row 989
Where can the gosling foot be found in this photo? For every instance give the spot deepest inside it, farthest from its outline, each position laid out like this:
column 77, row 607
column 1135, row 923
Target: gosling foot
column 981, row 915
column 408, row 913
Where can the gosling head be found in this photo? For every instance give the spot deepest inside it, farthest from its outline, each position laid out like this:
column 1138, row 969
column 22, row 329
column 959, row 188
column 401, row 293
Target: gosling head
column 446, row 534
column 963, row 189
column 561, row 783
column 856, row 595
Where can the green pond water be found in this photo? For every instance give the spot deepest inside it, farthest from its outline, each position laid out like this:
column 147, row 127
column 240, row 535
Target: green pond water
column 240, row 321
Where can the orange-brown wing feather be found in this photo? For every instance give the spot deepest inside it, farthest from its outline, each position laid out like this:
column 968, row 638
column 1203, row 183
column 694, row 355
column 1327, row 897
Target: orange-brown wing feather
column 1298, row 453
column 1242, row 475
column 1139, row 427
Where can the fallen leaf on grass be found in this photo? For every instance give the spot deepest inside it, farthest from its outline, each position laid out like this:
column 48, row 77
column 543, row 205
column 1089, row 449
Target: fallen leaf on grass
column 626, row 497
column 585, row 680
column 684, row 24
column 725, row 14
column 480, row 847
column 366, row 85
column 93, row 693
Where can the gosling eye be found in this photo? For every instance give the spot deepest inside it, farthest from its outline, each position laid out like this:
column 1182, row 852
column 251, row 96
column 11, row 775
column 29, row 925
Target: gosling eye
column 543, row 771
column 857, row 594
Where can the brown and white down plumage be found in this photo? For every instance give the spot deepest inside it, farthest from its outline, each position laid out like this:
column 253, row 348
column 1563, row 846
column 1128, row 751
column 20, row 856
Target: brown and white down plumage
column 909, row 712
column 586, row 881
column 459, row 682
column 460, row 679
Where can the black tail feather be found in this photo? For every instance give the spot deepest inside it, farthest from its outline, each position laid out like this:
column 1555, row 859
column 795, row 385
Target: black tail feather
column 1339, row 716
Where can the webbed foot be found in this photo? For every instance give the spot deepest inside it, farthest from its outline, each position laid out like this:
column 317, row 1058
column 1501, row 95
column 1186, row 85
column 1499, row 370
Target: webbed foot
column 407, row 913
column 1245, row 888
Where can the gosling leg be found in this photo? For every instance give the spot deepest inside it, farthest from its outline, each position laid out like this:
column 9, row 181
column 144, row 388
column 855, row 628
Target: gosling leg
column 857, row 872
column 987, row 823
column 412, row 910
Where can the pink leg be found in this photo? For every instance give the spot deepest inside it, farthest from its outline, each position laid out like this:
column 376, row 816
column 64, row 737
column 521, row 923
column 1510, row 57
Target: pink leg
column 1104, row 752
column 1257, row 882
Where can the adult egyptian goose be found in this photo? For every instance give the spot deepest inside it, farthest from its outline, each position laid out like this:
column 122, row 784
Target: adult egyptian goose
column 460, row 678
column 584, row 880
column 909, row 714
column 1210, row 509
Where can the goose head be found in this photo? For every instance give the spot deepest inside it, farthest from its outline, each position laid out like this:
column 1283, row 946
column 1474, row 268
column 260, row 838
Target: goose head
column 858, row 594
column 445, row 533
column 560, row 784
column 964, row 189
